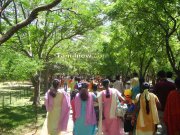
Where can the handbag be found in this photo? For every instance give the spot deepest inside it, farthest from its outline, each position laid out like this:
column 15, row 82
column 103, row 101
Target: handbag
column 121, row 108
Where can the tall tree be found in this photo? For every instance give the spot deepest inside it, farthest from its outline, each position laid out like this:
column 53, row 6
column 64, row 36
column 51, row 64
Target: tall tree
column 42, row 40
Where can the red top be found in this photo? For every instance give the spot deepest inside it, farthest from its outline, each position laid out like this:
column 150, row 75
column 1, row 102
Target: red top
column 172, row 113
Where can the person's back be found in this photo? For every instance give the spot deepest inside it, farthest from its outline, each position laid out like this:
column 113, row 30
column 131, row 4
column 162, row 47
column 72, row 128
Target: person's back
column 148, row 114
column 110, row 123
column 118, row 84
column 135, row 80
column 54, row 115
column 85, row 119
column 162, row 89
column 58, row 107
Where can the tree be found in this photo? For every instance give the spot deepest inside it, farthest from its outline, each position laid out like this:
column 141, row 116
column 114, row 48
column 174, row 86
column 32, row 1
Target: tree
column 11, row 69
column 42, row 40
column 152, row 23
column 17, row 26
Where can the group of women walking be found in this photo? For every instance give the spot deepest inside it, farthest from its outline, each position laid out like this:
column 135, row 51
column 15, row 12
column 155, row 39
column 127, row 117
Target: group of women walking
column 104, row 121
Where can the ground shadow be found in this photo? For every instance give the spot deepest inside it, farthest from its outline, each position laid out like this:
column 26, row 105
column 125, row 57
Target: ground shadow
column 12, row 117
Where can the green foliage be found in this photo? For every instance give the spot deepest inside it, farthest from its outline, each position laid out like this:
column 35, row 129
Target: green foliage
column 125, row 36
column 140, row 27
column 15, row 66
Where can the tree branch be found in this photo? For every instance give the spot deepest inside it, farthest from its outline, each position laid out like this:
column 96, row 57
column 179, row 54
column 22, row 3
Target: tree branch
column 151, row 59
column 51, row 48
column 32, row 16
column 24, row 14
column 68, row 9
column 5, row 6
column 6, row 19
column 15, row 10
column 83, row 30
column 170, row 55
column 174, row 20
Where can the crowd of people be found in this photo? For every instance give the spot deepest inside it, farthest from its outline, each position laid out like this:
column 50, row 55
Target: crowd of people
column 94, row 104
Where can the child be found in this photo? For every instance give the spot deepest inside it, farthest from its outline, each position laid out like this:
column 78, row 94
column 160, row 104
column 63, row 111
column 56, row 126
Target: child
column 128, row 127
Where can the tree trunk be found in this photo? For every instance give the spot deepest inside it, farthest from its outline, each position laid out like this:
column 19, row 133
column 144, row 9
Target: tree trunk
column 36, row 83
column 141, row 67
column 171, row 57
column 46, row 80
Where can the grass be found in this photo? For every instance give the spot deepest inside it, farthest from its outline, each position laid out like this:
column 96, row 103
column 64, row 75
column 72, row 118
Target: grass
column 17, row 120
column 20, row 117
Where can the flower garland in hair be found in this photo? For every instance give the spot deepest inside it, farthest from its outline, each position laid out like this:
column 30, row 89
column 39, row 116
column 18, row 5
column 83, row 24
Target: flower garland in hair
column 146, row 93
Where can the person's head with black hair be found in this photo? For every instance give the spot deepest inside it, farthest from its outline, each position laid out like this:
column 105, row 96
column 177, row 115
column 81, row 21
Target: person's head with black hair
column 141, row 81
column 145, row 86
column 161, row 74
column 56, row 83
column 78, row 79
column 94, row 87
column 105, row 84
column 117, row 77
column 79, row 86
column 169, row 74
column 71, row 77
column 84, row 91
column 177, row 83
column 135, row 74
column 55, row 86
column 73, row 93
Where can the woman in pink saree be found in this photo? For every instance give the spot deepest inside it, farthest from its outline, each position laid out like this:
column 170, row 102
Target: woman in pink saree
column 109, row 123
column 57, row 103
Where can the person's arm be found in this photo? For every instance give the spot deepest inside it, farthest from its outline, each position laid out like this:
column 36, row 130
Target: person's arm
column 120, row 97
column 158, row 104
column 155, row 89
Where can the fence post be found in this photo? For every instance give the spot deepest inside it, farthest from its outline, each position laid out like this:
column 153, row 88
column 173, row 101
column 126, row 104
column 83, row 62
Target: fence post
column 20, row 94
column 10, row 97
column 16, row 97
column 3, row 102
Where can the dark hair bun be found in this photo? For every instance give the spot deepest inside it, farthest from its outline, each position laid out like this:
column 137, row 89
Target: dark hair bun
column 105, row 82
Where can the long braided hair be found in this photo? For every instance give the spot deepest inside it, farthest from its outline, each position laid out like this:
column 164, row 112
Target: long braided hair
column 145, row 86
